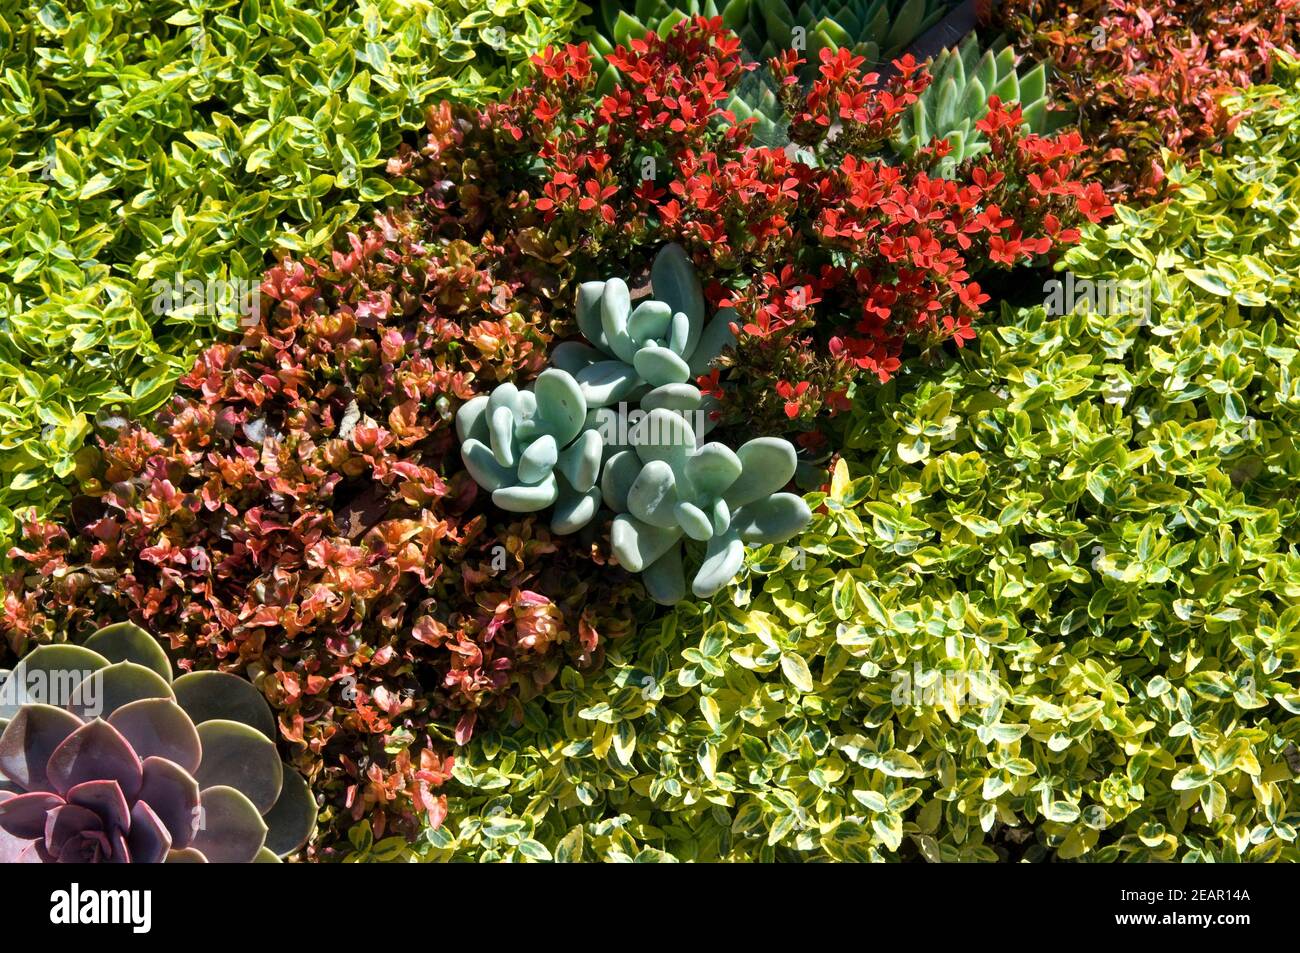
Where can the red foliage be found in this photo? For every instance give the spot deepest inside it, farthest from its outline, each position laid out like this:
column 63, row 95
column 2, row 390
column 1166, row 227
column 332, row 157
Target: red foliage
column 1151, row 74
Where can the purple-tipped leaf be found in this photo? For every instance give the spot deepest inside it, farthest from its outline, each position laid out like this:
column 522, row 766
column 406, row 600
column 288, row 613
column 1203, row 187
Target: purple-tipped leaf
column 24, row 816
column 71, row 822
column 106, row 799
column 174, row 796
column 157, row 727
column 95, row 751
column 29, row 740
column 149, row 840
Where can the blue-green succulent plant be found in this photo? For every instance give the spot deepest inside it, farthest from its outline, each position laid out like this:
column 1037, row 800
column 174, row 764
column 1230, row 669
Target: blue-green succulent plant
column 662, row 342
column 665, row 488
column 572, row 442
column 532, row 449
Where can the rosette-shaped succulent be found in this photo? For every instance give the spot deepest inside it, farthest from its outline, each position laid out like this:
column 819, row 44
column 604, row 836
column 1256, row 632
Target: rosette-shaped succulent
column 531, row 449
column 105, row 758
column 879, row 30
column 662, row 342
column 666, row 488
column 958, row 97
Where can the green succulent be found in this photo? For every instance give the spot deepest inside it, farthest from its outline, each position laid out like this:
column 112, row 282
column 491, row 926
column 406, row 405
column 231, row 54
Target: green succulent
column 103, row 757
column 532, row 449
column 879, row 30
column 665, row 488
column 957, row 98
column 661, row 343
column 564, row 443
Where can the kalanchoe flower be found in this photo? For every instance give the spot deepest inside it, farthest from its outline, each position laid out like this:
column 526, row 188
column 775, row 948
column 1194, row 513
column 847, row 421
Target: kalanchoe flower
column 106, row 759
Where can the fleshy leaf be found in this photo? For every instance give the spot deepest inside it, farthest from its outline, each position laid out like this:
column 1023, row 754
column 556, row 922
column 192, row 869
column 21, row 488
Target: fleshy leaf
column 664, row 579
column 772, row 520
column 95, row 751
column 238, row 756
column 126, row 642
column 149, row 840
column 292, row 819
column 174, row 796
column 638, row 544
column 207, row 695
column 30, row 738
column 158, row 727
column 769, row 463
column 725, row 556
column 231, row 830
column 121, row 683
column 47, row 675
column 675, row 283
column 23, row 816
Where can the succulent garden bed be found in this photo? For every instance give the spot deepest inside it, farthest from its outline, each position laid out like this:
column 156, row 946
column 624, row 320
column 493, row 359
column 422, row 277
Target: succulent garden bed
column 662, row 431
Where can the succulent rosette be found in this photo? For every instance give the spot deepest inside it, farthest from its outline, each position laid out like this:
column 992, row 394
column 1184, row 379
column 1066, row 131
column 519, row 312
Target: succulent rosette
column 105, row 758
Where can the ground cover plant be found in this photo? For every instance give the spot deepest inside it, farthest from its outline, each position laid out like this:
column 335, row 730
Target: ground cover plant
column 156, row 153
column 298, row 512
column 691, row 446
column 1149, row 75
column 1045, row 611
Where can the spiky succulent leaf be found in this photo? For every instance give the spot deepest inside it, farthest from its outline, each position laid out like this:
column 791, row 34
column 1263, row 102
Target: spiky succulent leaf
column 963, row 80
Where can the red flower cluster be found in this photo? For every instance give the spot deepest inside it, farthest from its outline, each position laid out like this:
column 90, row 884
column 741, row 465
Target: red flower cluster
column 300, row 513
column 835, row 259
column 1150, row 74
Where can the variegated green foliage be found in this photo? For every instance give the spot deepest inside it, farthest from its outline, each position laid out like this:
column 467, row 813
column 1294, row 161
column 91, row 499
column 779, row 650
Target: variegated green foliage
column 1050, row 609
column 957, row 98
column 147, row 141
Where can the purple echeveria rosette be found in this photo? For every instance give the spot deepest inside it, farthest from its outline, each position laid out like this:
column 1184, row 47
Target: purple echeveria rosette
column 104, row 758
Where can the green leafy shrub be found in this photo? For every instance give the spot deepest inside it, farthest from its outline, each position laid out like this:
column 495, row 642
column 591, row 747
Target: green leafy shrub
column 1144, row 76
column 1048, row 611
column 146, row 144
